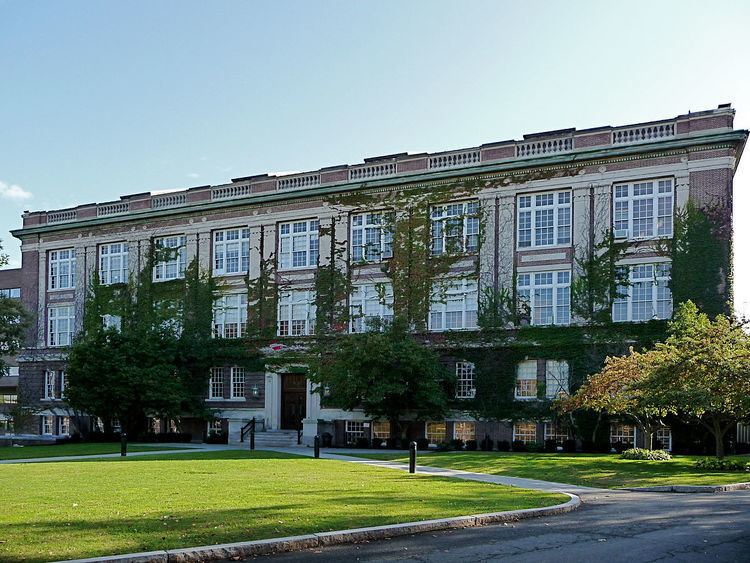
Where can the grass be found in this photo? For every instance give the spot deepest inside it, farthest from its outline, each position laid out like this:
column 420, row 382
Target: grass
column 97, row 507
column 28, row 452
column 592, row 470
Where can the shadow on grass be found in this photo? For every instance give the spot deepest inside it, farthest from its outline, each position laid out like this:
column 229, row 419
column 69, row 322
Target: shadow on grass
column 201, row 455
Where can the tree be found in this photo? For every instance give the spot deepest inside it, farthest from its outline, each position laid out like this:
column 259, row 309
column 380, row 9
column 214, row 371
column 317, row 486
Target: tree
column 14, row 320
column 386, row 372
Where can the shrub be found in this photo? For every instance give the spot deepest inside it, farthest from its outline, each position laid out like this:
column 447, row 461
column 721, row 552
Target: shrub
column 443, row 447
column 457, row 444
column 519, row 446
column 362, row 442
column 649, row 455
column 536, row 447
column 550, row 446
column 620, row 447
column 722, row 464
column 377, row 443
column 486, row 444
column 471, row 445
column 569, row 446
column 423, row 443
column 742, row 448
column 503, row 446
column 216, row 438
column 392, row 443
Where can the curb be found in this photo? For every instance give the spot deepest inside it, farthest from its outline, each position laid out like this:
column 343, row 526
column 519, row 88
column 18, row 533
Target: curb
column 297, row 543
column 691, row 488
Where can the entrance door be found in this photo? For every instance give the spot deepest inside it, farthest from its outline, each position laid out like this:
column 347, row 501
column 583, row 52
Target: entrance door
column 293, row 400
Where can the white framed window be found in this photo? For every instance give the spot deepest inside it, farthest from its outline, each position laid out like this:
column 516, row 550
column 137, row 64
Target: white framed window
column 216, row 384
column 464, row 430
column 455, row 228
column 556, row 379
column 624, row 433
column 544, row 220
column 63, row 384
column 63, row 425
column 11, row 293
column 465, row 380
column 214, row 426
column 112, row 321
column 50, row 384
column 48, row 425
column 369, row 302
column 435, row 432
column 298, row 244
column 296, row 313
column 237, row 383
column 231, row 251
column 643, row 209
column 381, row 429
column 526, row 386
column 555, row 431
column 230, row 316
column 547, row 296
column 172, row 257
column 524, row 432
column 663, row 436
column 372, row 236
column 113, row 263
column 61, row 320
column 62, row 269
column 355, row 429
column 647, row 297
column 454, row 305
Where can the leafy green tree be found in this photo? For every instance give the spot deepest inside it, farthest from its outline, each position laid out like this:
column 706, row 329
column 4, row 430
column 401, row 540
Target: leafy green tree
column 14, row 320
column 386, row 373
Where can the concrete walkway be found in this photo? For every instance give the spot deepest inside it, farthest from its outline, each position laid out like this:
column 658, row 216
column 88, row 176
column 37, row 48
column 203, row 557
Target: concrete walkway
column 184, row 448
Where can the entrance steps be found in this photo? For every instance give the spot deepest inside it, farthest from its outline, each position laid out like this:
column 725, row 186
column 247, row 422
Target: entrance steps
column 270, row 438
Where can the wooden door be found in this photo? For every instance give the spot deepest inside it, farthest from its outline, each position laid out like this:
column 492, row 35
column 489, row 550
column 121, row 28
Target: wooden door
column 293, row 400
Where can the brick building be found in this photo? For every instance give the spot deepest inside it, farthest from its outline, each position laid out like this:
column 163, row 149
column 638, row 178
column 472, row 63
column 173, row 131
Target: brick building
column 511, row 216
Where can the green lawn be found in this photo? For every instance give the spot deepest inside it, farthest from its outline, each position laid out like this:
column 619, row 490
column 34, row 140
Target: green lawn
column 28, row 452
column 593, row 470
column 68, row 510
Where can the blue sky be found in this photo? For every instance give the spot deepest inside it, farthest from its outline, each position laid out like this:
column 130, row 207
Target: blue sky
column 101, row 99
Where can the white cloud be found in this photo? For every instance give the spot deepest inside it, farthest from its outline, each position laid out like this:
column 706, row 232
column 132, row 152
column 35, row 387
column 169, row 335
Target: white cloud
column 13, row 192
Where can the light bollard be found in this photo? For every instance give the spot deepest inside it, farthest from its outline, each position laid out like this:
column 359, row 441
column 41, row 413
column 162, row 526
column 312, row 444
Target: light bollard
column 123, row 444
column 317, row 446
column 413, row 457
column 252, row 438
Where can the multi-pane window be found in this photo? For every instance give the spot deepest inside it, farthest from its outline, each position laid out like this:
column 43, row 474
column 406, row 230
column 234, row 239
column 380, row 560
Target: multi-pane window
column 555, row 431
column 624, row 433
column 298, row 244
column 524, row 432
column 112, row 321
column 463, row 430
column 544, row 219
column 50, row 384
column 216, row 383
column 526, row 380
column 647, row 297
column 643, row 209
column 48, row 425
column 62, row 269
column 63, row 425
column 296, row 314
column 368, row 303
column 454, row 305
column 171, row 253
column 455, row 228
column 381, row 429
column 547, row 296
column 663, row 436
column 113, row 263
column 355, row 429
column 556, row 379
column 231, row 251
column 465, row 380
column 372, row 236
column 61, row 321
column 237, row 383
column 230, row 315
column 11, row 293
column 435, row 432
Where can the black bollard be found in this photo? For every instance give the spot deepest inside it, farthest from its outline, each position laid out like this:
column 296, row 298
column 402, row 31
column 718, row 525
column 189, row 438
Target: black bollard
column 413, row 457
column 317, row 446
column 252, row 437
column 123, row 444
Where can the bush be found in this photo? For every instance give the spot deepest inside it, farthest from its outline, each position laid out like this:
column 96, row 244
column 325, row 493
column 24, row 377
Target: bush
column 457, row 444
column 550, row 446
column 392, row 443
column 722, row 464
column 377, row 443
column 742, row 448
column 443, row 447
column 620, row 447
column 649, row 455
column 423, row 443
column 536, row 447
column 166, row 437
column 96, row 436
column 503, row 446
column 215, row 438
column 519, row 446
column 362, row 442
column 486, row 444
column 569, row 446
column 471, row 445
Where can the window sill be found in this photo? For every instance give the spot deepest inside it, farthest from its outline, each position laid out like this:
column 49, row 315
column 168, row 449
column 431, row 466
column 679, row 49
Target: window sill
column 60, row 289
column 228, row 274
column 546, row 247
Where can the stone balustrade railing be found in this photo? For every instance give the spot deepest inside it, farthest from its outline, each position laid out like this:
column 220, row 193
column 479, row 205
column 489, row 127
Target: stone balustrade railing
column 369, row 171
column 294, row 182
column 544, row 147
column 168, row 200
column 108, row 209
column 454, row 159
column 655, row 132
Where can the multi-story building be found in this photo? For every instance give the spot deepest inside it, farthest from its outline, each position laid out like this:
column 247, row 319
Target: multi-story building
column 10, row 287
column 428, row 236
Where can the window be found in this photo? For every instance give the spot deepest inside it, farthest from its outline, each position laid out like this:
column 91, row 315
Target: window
column 113, row 263
column 547, row 296
column 624, row 433
column 355, row 429
column 112, row 321
column 643, row 209
column 50, row 384
column 464, row 431
column 524, row 432
column 435, row 432
column 454, row 305
column 63, row 384
column 230, row 316
column 171, row 257
column 298, row 244
column 368, row 303
column 544, row 219
column 465, row 375
column 11, row 293
column 214, row 426
column 556, row 379
column 9, row 399
column 237, row 383
column 296, row 312
column 216, row 384
column 372, row 237
column 60, row 328
column 663, row 438
column 231, row 251
column 62, row 269
column 526, row 380
column 555, row 431
column 381, row 429
column 63, row 425
column 455, row 228
column 48, row 425
column 648, row 296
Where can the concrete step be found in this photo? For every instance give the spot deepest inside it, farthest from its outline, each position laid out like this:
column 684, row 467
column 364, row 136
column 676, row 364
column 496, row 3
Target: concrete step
column 271, row 438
